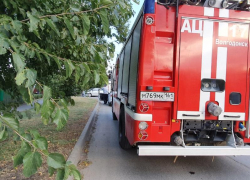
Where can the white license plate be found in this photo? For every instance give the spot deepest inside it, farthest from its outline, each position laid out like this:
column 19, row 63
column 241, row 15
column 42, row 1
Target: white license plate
column 157, row 96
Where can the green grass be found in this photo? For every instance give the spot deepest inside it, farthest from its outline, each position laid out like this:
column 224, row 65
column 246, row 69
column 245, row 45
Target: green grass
column 78, row 117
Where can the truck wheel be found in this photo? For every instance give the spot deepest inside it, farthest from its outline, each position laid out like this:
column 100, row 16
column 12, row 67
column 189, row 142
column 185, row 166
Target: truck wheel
column 123, row 140
column 114, row 116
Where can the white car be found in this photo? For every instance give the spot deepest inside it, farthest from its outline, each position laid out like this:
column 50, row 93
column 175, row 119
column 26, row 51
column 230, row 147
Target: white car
column 93, row 92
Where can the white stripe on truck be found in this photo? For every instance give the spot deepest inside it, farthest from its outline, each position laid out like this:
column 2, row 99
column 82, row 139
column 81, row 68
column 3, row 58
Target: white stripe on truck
column 206, row 61
column 221, row 72
column 208, row 11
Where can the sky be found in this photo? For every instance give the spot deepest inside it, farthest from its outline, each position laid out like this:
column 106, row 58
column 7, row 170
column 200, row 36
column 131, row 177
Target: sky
column 118, row 47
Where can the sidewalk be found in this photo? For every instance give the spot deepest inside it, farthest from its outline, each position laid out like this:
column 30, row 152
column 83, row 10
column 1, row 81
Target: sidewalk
column 25, row 107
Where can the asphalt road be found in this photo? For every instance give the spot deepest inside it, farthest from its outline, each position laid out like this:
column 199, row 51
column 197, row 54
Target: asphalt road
column 110, row 162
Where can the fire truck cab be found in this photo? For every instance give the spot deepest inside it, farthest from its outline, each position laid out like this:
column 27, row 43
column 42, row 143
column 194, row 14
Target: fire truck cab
column 181, row 82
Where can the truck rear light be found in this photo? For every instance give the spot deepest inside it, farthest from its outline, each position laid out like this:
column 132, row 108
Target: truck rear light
column 143, row 125
column 143, row 135
column 212, row 85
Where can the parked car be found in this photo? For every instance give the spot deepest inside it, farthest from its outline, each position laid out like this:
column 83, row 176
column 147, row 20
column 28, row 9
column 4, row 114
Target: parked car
column 93, row 92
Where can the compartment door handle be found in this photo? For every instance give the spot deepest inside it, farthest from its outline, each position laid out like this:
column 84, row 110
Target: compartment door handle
column 191, row 115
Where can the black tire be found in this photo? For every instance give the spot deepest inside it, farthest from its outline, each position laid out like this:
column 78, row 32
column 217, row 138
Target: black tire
column 123, row 140
column 114, row 116
column 105, row 102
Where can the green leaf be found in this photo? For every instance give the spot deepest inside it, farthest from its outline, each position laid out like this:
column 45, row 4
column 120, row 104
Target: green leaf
column 77, row 74
column 97, row 77
column 70, row 169
column 31, row 77
column 5, row 18
column 37, row 107
column 69, row 67
column 4, row 43
column 61, row 118
column 18, row 158
column 57, row 62
column 37, row 34
column 35, row 133
column 75, row 7
column 33, row 22
column 2, row 133
column 54, row 18
column 72, row 102
column 31, row 162
column 86, row 79
column 60, row 174
column 104, row 78
column 27, row 94
column 105, row 21
column 48, row 58
column 51, row 171
column 106, row 2
column 56, row 160
column 86, row 67
column 42, row 143
column 46, row 93
column 52, row 26
column 64, row 103
column 85, row 23
column 22, row 11
column 17, row 26
column 20, row 78
column 18, row 62
column 46, row 111
column 70, row 27
column 2, row 51
column 76, row 174
column 10, row 121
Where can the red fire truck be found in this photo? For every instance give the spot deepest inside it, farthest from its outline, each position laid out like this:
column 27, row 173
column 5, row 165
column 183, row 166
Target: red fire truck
column 181, row 81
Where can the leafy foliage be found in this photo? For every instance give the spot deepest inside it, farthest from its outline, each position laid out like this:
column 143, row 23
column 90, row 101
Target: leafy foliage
column 61, row 47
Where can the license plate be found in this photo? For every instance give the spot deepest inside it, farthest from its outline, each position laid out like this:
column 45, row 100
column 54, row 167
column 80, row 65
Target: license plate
column 157, row 96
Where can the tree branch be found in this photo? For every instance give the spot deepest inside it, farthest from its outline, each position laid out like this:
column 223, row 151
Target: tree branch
column 63, row 14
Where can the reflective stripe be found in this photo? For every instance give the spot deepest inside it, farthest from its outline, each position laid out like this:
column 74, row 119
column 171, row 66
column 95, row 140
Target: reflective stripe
column 223, row 29
column 221, row 72
column 206, row 64
column 139, row 117
column 224, row 13
column 208, row 11
column 223, row 26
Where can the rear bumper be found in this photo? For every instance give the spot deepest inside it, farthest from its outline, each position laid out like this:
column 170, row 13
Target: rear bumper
column 145, row 150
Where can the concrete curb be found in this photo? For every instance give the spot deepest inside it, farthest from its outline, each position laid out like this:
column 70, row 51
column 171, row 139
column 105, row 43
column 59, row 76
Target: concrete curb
column 77, row 151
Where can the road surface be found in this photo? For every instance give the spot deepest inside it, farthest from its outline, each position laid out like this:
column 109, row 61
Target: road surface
column 25, row 107
column 110, row 162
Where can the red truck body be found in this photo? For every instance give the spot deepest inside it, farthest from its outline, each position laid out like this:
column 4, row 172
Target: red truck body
column 178, row 61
